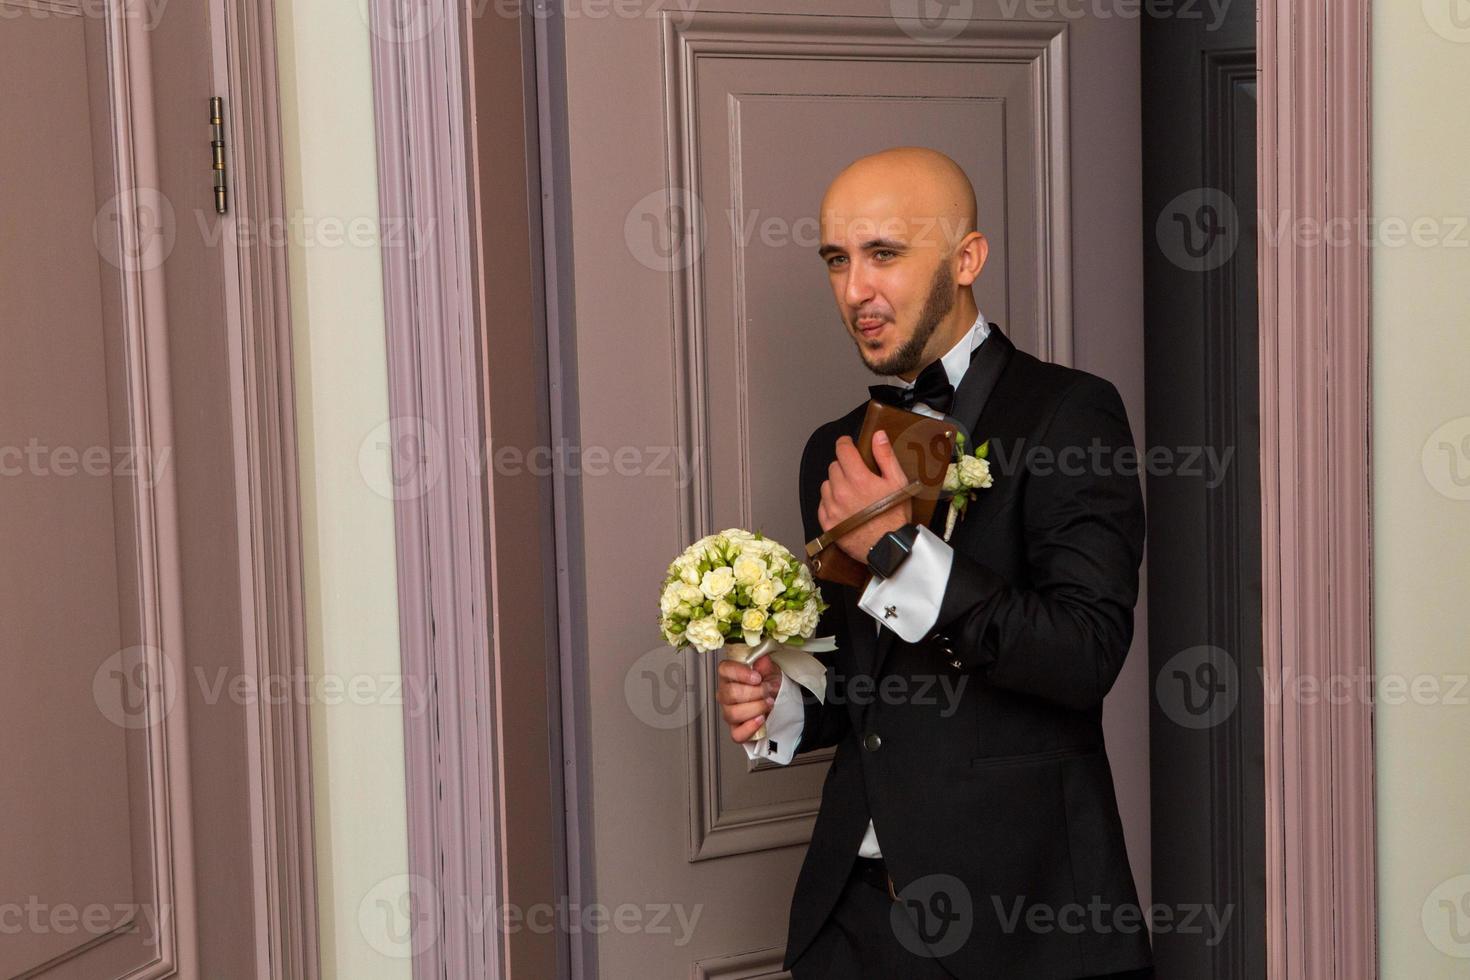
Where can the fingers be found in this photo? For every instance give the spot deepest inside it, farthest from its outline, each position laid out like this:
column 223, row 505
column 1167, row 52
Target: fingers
column 850, row 484
column 735, row 714
column 849, row 460
column 745, row 719
column 746, row 732
column 737, row 683
column 765, row 666
column 743, row 698
column 888, row 465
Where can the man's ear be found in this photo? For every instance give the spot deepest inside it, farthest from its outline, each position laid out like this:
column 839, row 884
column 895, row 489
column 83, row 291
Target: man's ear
column 973, row 250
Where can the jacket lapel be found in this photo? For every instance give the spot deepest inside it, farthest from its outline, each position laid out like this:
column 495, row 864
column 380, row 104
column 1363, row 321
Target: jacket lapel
column 969, row 401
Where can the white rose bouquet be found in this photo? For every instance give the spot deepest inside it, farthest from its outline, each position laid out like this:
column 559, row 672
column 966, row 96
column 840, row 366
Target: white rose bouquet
column 746, row 595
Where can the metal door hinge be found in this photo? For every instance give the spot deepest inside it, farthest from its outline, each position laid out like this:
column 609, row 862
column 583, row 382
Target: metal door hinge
column 217, row 154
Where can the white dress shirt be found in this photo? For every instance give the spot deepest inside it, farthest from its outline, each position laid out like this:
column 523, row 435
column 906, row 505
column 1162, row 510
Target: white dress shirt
column 914, row 592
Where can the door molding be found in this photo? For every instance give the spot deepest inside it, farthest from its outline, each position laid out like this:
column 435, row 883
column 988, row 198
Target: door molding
column 273, row 629
column 458, row 170
column 1316, row 542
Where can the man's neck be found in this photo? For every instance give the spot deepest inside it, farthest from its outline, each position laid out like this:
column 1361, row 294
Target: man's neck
column 950, row 331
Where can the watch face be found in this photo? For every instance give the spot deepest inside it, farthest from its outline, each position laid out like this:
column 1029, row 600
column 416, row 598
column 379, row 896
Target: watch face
column 885, row 555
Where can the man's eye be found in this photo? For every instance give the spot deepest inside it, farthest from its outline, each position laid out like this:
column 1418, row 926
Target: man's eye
column 885, row 251
column 832, row 262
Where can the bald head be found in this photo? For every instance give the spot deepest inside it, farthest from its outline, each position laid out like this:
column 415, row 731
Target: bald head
column 909, row 185
column 899, row 238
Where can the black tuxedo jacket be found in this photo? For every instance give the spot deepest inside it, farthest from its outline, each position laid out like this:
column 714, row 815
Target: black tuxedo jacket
column 977, row 752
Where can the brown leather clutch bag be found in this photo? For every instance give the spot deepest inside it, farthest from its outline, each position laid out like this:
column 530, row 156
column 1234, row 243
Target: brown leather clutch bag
column 924, row 446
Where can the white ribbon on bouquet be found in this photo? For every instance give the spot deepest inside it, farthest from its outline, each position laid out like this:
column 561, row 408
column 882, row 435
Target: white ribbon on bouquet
column 796, row 662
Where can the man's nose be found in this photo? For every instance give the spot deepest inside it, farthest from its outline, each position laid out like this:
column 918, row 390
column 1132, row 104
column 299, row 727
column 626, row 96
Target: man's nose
column 859, row 287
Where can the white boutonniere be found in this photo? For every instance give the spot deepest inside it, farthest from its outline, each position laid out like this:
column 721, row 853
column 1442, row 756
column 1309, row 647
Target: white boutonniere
column 963, row 478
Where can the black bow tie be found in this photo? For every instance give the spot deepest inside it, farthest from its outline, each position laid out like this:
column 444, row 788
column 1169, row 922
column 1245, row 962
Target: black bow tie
column 931, row 387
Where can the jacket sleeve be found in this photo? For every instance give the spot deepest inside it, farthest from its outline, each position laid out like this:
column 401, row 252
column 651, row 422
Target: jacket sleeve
column 825, row 723
column 1065, row 637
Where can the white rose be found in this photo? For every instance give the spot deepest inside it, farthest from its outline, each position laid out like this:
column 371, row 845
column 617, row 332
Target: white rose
column 952, row 478
column 689, row 574
column 809, row 617
column 724, row 610
column 704, row 633
column 788, row 622
column 737, row 534
column 749, row 570
column 763, row 593
column 668, row 601
column 691, row 594
column 718, row 582
column 753, row 621
column 975, row 472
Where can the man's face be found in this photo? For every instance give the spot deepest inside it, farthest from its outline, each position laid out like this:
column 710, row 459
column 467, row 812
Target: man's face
column 892, row 291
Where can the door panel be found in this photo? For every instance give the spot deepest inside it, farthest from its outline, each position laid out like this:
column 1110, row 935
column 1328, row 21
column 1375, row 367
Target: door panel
column 53, row 373
column 1199, row 118
column 119, row 582
column 764, row 333
column 717, row 337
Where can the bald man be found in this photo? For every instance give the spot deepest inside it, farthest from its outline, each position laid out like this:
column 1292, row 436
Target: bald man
column 968, row 825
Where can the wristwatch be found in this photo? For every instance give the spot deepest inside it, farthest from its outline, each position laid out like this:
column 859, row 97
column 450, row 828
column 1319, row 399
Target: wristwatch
column 885, row 557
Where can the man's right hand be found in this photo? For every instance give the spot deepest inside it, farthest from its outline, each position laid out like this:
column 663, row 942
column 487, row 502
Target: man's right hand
column 746, row 693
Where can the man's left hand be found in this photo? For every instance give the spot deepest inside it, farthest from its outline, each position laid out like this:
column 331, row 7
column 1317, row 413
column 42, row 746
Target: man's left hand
column 850, row 486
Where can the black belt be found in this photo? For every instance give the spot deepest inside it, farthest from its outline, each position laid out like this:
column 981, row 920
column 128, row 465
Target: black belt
column 874, row 872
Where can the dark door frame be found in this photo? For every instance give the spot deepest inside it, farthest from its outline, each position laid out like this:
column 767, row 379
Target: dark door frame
column 1206, row 729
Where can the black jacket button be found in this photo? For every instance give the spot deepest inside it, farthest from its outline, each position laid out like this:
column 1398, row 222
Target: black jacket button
column 871, row 741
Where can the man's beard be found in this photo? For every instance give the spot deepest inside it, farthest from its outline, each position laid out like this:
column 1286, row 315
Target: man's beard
column 910, row 353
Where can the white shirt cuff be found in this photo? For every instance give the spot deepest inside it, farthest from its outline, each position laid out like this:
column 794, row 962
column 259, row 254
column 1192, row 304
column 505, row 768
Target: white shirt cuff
column 784, row 723
column 907, row 602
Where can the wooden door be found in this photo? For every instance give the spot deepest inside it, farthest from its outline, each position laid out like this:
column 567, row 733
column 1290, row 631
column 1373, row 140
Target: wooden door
column 700, row 346
column 126, row 790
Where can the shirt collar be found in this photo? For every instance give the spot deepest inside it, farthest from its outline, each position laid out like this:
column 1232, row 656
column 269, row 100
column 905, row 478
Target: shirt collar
column 957, row 359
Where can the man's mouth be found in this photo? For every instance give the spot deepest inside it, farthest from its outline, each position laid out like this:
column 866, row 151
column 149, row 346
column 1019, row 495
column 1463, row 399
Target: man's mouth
column 869, row 327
